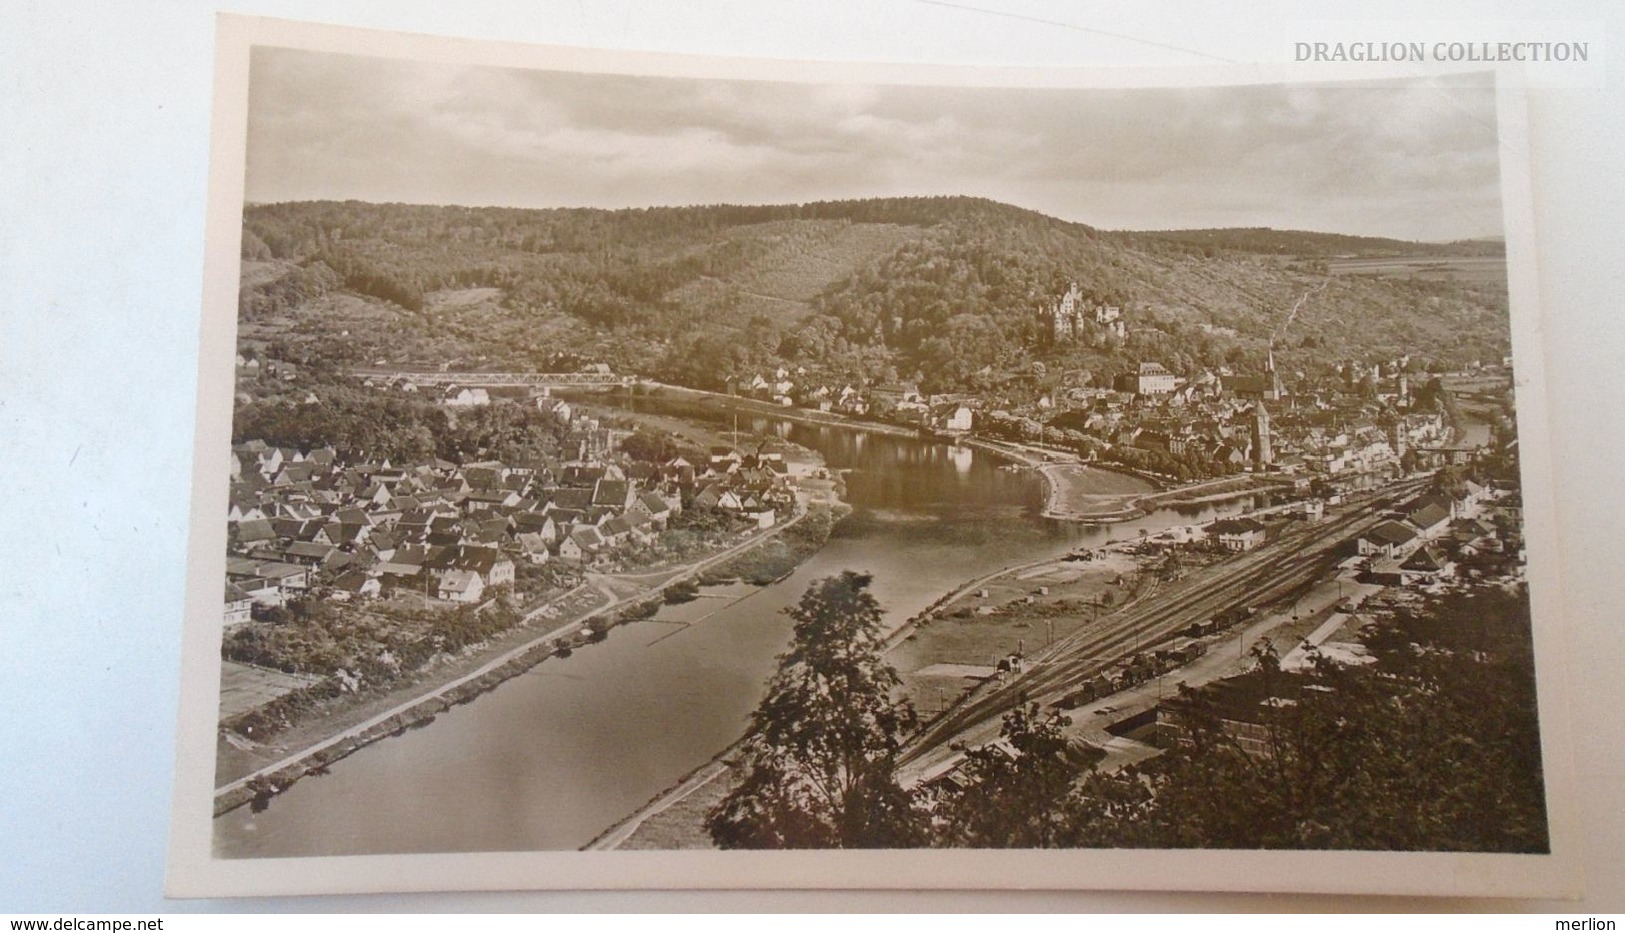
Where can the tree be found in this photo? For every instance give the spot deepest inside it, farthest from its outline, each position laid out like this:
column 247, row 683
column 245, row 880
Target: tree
column 1439, row 749
column 818, row 767
column 649, row 446
column 1016, row 786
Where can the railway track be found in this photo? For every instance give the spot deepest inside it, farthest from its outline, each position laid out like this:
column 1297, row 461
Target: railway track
column 1267, row 575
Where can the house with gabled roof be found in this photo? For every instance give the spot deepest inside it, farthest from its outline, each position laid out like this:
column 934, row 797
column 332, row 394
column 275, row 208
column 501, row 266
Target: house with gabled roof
column 1431, row 519
column 585, row 541
column 355, row 585
column 613, row 493
column 709, row 496
column 406, row 562
column 574, row 499
column 246, row 512
column 293, row 472
column 570, row 549
column 1425, row 566
column 500, row 497
column 532, row 547
column 677, row 470
column 258, row 531
column 353, row 516
column 268, row 461
column 1237, row 534
column 339, row 534
column 460, row 586
column 582, row 476
column 650, row 504
column 309, row 553
column 302, row 511
column 450, row 538
column 558, row 408
column 538, row 524
column 1388, row 539
column 287, row 576
column 494, row 567
column 465, row 397
column 566, row 518
column 239, row 606
column 616, row 530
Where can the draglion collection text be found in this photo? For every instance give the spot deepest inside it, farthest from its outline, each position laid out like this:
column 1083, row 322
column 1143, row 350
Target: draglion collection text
column 1486, row 52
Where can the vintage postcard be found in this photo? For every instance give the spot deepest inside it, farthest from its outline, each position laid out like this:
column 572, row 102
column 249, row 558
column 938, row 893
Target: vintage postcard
column 632, row 471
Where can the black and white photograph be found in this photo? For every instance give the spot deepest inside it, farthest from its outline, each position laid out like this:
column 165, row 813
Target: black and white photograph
column 864, row 466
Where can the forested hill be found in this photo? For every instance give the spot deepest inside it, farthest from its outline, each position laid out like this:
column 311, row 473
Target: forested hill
column 942, row 290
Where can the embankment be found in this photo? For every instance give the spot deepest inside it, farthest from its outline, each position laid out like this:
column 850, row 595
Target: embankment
column 259, row 788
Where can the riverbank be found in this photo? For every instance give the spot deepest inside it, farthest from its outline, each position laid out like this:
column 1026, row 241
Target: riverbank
column 255, row 773
column 1082, row 493
column 661, row 390
column 261, row 785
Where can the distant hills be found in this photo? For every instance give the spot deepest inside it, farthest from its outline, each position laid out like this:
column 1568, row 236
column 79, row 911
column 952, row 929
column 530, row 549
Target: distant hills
column 942, row 290
column 1269, row 241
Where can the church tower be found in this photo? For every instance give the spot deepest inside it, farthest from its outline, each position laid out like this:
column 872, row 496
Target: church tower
column 1263, row 455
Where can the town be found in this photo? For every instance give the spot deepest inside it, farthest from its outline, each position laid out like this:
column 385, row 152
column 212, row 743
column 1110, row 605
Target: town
column 1117, row 497
column 325, row 538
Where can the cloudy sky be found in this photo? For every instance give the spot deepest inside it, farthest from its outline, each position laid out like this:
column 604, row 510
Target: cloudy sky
column 1416, row 162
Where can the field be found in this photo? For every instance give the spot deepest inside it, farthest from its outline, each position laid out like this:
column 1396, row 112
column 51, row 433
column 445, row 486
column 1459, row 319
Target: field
column 244, row 687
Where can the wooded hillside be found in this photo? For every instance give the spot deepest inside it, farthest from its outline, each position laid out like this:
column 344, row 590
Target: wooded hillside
column 942, row 290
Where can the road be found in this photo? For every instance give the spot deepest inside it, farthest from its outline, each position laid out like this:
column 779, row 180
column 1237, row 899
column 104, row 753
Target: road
column 1271, row 573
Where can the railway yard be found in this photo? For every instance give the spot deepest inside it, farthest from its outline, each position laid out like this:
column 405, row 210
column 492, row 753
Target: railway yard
column 1166, row 621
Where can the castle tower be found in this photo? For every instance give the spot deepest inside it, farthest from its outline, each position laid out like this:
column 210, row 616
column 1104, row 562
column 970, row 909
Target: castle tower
column 1069, row 301
column 1065, row 317
column 1263, row 455
column 1060, row 324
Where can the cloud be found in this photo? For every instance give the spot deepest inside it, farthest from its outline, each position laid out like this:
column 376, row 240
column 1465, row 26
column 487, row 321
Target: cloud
column 1405, row 160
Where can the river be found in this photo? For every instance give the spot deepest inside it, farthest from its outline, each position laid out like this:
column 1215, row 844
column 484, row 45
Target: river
column 553, row 757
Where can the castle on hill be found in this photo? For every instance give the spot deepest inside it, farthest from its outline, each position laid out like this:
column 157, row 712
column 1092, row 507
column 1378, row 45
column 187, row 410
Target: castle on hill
column 1068, row 318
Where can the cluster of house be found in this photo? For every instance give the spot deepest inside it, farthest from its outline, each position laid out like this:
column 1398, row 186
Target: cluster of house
column 1363, row 420
column 1234, row 421
column 301, row 521
column 1238, row 421
column 1422, row 543
column 899, row 402
column 251, row 369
